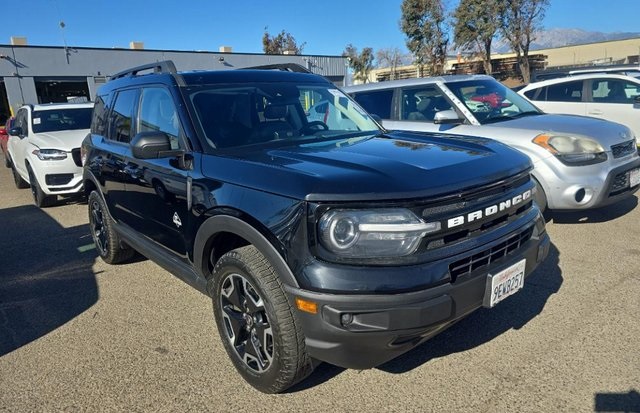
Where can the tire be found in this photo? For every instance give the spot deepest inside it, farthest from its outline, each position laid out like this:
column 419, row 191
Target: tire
column 249, row 302
column 17, row 179
column 540, row 197
column 41, row 199
column 7, row 162
column 106, row 240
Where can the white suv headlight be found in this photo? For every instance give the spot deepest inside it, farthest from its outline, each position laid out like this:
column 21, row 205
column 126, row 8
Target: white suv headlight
column 373, row 233
column 50, row 154
column 572, row 150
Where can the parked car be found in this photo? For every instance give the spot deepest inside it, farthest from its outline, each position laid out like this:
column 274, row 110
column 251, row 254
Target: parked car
column 4, row 138
column 315, row 241
column 44, row 149
column 611, row 97
column 628, row 70
column 579, row 162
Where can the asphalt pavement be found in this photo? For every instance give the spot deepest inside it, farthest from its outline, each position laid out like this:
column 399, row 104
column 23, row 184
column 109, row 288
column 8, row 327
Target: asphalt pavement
column 77, row 334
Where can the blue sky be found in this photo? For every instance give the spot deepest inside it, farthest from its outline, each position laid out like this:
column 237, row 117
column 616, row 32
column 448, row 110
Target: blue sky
column 326, row 26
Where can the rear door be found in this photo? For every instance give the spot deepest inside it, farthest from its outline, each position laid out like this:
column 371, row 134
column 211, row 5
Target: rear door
column 613, row 99
column 564, row 98
column 156, row 201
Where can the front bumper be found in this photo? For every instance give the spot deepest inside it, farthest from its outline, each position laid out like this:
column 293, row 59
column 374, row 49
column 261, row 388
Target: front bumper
column 363, row 331
column 59, row 177
column 586, row 187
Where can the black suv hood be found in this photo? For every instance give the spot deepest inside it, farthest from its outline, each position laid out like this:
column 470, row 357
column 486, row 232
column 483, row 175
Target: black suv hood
column 397, row 165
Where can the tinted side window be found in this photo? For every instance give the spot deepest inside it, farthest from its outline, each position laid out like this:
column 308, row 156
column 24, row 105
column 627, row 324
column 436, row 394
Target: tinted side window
column 422, row 104
column 121, row 127
column 564, row 92
column 533, row 94
column 158, row 113
column 21, row 121
column 100, row 115
column 614, row 91
column 376, row 103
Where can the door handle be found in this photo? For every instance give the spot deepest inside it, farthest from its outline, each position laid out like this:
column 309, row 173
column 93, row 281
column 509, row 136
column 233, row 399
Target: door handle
column 595, row 112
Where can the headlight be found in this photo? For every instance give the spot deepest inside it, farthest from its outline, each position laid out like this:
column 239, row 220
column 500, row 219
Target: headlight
column 50, row 154
column 572, row 150
column 374, row 233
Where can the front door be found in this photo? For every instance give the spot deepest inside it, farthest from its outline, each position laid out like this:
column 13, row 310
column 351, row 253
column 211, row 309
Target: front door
column 613, row 99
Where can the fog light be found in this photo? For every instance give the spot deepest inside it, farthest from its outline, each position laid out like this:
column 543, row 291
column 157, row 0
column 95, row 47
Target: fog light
column 580, row 193
column 346, row 319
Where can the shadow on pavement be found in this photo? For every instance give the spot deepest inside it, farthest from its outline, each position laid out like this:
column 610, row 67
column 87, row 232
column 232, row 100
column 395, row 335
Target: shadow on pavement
column 603, row 214
column 484, row 325
column 618, row 402
column 46, row 276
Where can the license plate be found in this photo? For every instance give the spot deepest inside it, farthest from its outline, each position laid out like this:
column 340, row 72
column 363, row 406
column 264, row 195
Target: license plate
column 504, row 284
column 634, row 177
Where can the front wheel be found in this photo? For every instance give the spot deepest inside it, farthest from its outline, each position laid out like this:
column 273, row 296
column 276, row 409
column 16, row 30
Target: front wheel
column 41, row 199
column 17, row 179
column 106, row 240
column 258, row 327
column 540, row 197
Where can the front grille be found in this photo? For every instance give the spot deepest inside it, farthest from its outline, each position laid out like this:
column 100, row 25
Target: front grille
column 75, row 153
column 58, row 179
column 619, row 184
column 624, row 149
column 491, row 255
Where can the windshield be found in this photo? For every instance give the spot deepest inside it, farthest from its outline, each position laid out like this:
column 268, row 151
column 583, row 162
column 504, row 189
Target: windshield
column 53, row 120
column 490, row 101
column 239, row 115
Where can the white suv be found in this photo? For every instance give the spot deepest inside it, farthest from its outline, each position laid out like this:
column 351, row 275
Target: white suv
column 44, row 149
column 611, row 97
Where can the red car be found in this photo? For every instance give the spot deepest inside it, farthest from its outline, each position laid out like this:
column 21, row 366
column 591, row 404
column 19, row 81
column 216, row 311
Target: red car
column 4, row 137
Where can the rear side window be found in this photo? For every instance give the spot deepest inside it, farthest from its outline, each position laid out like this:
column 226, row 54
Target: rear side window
column 100, row 115
column 121, row 127
column 376, row 103
column 563, row 92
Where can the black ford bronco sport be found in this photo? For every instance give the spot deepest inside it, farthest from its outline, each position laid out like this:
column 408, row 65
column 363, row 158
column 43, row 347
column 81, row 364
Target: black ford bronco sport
column 318, row 235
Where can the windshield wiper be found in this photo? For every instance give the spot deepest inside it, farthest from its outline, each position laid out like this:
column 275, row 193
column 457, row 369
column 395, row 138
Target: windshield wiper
column 525, row 113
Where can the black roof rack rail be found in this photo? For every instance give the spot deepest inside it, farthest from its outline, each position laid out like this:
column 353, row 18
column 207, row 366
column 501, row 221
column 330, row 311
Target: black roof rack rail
column 165, row 66
column 287, row 67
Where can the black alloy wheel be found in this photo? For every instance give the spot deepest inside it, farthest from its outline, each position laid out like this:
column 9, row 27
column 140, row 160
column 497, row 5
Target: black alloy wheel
column 246, row 323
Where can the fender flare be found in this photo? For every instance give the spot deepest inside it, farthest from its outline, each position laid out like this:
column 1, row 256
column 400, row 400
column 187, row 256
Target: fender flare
column 226, row 223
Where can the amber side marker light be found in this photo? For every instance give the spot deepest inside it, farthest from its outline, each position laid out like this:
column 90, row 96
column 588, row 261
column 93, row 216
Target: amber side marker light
column 306, row 306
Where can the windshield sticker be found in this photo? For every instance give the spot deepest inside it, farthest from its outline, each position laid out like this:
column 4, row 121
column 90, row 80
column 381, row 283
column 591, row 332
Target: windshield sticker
column 36, row 121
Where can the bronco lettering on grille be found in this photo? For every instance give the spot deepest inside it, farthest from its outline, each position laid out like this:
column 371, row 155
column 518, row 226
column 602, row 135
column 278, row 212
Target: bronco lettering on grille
column 490, row 210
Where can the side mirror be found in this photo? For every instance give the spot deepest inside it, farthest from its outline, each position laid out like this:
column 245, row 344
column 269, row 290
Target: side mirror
column 447, row 117
column 17, row 131
column 152, row 145
column 636, row 102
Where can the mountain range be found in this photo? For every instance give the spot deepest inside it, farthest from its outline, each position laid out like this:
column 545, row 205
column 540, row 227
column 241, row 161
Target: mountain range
column 547, row 39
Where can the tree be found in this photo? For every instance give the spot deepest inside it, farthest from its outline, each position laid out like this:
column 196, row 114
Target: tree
column 281, row 43
column 361, row 63
column 476, row 23
column 424, row 24
column 391, row 58
column 520, row 20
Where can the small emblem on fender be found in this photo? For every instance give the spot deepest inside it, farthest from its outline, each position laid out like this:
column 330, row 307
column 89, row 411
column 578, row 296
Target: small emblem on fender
column 176, row 220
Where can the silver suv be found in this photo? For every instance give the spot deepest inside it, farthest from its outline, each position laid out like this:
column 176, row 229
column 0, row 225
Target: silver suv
column 580, row 162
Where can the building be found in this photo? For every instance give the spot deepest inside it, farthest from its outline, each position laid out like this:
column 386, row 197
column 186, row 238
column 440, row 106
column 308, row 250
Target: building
column 612, row 52
column 45, row 74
